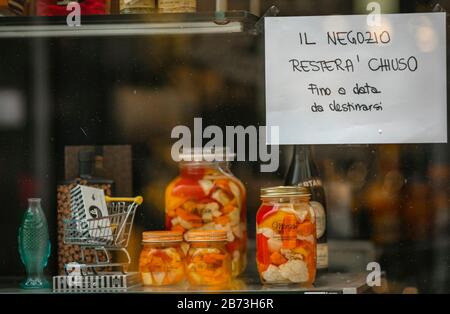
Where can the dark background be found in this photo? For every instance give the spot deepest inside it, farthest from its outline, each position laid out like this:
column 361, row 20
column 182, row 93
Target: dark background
column 134, row 90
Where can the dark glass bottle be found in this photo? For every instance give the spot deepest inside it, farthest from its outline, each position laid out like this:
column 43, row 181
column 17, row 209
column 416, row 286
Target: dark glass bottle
column 304, row 172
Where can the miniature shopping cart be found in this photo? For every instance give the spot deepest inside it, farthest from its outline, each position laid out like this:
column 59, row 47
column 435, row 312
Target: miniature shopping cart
column 103, row 235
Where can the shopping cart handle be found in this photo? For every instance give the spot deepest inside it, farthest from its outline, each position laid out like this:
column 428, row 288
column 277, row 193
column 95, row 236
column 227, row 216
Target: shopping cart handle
column 138, row 199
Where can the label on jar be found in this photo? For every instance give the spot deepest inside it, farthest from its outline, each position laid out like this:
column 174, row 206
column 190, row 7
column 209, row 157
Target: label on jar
column 172, row 6
column 141, row 3
column 321, row 219
column 322, row 255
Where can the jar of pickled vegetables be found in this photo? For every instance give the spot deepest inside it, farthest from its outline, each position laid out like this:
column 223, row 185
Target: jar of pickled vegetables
column 207, row 196
column 208, row 262
column 162, row 260
column 286, row 236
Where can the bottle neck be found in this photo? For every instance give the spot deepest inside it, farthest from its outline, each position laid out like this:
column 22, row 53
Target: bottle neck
column 302, row 153
column 302, row 170
column 34, row 203
column 303, row 161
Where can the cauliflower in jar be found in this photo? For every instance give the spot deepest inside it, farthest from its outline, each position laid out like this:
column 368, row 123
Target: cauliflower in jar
column 220, row 196
column 180, row 221
column 238, row 231
column 301, row 214
column 175, row 221
column 274, row 244
column 267, row 232
column 273, row 275
column 201, row 251
column 172, row 253
column 206, row 185
column 228, row 229
column 207, row 217
column 294, row 271
column 235, row 190
column 235, row 216
column 158, row 277
column 209, row 211
column 309, row 238
column 185, row 224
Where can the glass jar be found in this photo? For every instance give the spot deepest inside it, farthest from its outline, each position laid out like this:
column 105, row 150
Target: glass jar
column 286, row 236
column 208, row 262
column 137, row 6
column 177, row 6
column 162, row 260
column 206, row 196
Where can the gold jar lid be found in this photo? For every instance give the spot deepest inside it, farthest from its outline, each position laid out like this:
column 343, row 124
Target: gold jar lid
column 161, row 236
column 285, row 191
column 203, row 154
column 206, row 235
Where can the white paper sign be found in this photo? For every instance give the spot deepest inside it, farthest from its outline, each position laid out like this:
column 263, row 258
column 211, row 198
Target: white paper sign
column 337, row 80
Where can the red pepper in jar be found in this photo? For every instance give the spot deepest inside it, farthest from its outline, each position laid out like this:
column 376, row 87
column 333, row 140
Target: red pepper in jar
column 263, row 212
column 188, row 187
column 262, row 256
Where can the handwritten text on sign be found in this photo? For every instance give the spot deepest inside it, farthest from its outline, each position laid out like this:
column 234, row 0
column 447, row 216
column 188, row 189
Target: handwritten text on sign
column 337, row 80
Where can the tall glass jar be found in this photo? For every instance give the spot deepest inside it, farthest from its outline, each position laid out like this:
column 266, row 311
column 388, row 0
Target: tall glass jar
column 286, row 236
column 161, row 261
column 207, row 196
column 208, row 261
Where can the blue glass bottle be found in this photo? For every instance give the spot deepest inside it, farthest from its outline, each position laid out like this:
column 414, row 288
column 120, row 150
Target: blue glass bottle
column 34, row 245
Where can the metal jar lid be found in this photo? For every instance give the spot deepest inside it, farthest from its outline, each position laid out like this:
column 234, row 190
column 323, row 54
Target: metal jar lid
column 200, row 154
column 206, row 235
column 161, row 236
column 285, row 191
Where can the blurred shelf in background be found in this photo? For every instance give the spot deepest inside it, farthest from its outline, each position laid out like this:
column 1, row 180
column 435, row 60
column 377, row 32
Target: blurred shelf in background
column 130, row 25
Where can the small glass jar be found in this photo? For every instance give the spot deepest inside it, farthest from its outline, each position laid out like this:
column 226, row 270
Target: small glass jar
column 207, row 196
column 208, row 262
column 286, row 236
column 161, row 261
column 137, row 6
